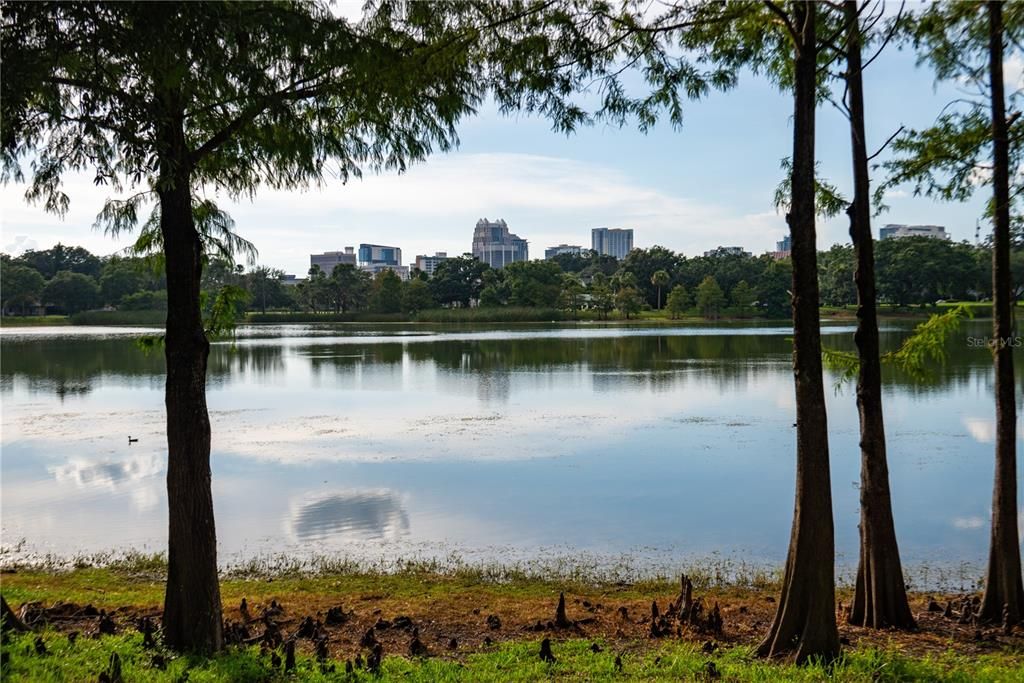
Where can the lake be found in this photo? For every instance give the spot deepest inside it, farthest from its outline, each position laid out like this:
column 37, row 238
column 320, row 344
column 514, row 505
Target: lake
column 650, row 446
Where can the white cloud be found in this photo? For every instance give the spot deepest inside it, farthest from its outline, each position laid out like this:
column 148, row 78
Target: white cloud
column 974, row 522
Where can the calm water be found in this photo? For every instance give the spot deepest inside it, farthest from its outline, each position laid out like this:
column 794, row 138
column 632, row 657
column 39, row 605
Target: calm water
column 664, row 444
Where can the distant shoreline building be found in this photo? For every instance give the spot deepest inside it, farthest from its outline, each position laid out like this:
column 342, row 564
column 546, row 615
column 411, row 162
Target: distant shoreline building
column 379, row 254
column 494, row 245
column 727, row 251
column 329, row 259
column 615, row 242
column 898, row 230
column 428, row 264
column 783, row 248
column 552, row 252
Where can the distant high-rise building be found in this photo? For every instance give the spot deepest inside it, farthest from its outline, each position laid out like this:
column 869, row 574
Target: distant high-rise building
column 552, row 252
column 615, row 242
column 377, row 254
column 896, row 230
column 727, row 251
column 496, row 246
column 329, row 259
column 783, row 248
column 428, row 264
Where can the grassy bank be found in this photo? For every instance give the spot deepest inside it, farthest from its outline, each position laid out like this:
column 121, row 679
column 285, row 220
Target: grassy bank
column 33, row 320
column 476, row 624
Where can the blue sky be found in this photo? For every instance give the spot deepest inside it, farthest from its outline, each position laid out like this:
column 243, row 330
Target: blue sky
column 709, row 183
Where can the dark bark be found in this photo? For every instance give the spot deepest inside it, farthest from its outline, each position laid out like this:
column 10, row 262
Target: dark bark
column 1004, row 594
column 192, row 610
column 880, row 595
column 805, row 622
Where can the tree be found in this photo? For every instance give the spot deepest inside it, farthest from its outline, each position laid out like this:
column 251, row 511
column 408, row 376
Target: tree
column 416, row 297
column 387, row 292
column 121, row 277
column 773, row 289
column 71, row 292
column 572, row 293
column 678, row 301
column 659, row 279
column 837, row 266
column 880, row 595
column 805, row 620
column 627, row 300
column 601, row 295
column 265, row 287
column 457, row 281
column 534, row 283
column 742, row 296
column 229, row 97
column 965, row 42
column 710, row 298
column 51, row 261
column 20, row 285
column 348, row 288
column 644, row 263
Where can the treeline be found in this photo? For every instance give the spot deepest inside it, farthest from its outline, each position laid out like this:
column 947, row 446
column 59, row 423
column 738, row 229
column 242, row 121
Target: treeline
column 910, row 271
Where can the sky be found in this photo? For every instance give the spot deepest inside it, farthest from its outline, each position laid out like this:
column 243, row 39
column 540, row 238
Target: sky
column 709, row 183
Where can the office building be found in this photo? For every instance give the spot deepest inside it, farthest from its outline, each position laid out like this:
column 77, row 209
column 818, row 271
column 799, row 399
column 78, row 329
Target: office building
column 378, row 254
column 896, row 231
column 552, row 252
column 428, row 264
column 727, row 251
column 783, row 248
column 329, row 259
column 374, row 268
column 615, row 242
column 496, row 246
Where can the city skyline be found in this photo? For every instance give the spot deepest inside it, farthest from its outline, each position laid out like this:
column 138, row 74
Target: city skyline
column 554, row 188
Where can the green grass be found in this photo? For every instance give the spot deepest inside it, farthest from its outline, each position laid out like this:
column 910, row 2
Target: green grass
column 33, row 320
column 513, row 661
column 157, row 318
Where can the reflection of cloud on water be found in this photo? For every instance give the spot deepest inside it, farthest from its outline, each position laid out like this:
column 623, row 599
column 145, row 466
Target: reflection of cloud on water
column 133, row 476
column 981, row 429
column 367, row 514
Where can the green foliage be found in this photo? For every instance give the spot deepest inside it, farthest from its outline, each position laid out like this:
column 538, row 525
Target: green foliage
column 20, row 286
column 71, row 292
column 950, row 159
column 678, row 301
column 916, row 355
column 710, row 298
column 601, row 296
column 49, row 262
column 534, row 283
column 835, row 275
column 417, row 297
column 572, row 293
column 386, row 292
column 458, row 280
column 828, row 201
column 742, row 296
column 628, row 301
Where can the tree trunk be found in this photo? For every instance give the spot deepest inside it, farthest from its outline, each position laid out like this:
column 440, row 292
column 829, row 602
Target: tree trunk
column 805, row 622
column 1003, row 589
column 880, row 595
column 192, row 609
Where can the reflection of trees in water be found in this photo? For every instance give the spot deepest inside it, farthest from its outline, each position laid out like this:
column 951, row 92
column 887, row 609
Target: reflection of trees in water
column 67, row 366
column 361, row 515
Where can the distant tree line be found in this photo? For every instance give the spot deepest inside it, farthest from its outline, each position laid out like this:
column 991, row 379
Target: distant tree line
column 911, row 271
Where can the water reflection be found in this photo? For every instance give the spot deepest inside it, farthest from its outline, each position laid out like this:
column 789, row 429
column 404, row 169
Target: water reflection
column 358, row 515
column 333, row 438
